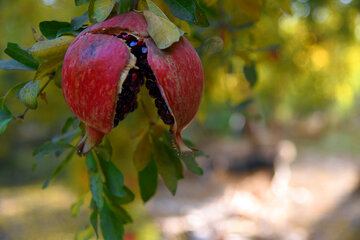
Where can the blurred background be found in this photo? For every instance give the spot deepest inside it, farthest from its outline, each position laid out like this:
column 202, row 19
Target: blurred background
column 279, row 126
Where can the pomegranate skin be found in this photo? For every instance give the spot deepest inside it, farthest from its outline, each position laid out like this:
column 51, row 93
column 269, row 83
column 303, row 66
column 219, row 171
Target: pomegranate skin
column 90, row 77
column 96, row 61
column 180, row 75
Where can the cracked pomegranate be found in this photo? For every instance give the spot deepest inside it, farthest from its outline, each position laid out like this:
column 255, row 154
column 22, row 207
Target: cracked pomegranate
column 105, row 67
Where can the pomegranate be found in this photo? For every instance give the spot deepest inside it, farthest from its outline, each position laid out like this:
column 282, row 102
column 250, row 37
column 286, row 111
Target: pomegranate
column 105, row 66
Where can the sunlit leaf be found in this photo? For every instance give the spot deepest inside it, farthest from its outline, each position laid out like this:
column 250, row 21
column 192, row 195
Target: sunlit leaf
column 286, row 6
column 155, row 9
column 122, row 214
column 251, row 74
column 148, row 181
column 99, row 10
column 12, row 64
column 111, row 227
column 59, row 168
column 252, row 8
column 14, row 51
column 51, row 49
column 29, row 93
column 75, row 207
column 5, row 118
column 85, row 234
column 48, row 68
column 50, row 29
column 142, row 154
column 162, row 31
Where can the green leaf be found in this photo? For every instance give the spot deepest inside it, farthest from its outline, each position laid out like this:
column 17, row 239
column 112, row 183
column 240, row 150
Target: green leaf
column 5, row 118
column 94, row 217
column 14, row 89
column 90, row 162
column 96, row 188
column 50, row 28
column 148, row 180
column 142, row 154
column 114, row 178
column 104, row 150
column 129, row 197
column 77, row 22
column 80, row 2
column 124, row 5
column 57, row 77
column 85, row 234
column 162, row 31
column 68, row 123
column 75, row 207
column 183, row 9
column 111, row 227
column 12, row 64
column 67, row 31
column 49, row 147
column 191, row 164
column 250, row 74
column 29, row 93
column 51, row 49
column 201, row 19
column 59, row 168
column 122, row 214
column 168, row 164
column 99, row 10
column 244, row 105
column 14, row 51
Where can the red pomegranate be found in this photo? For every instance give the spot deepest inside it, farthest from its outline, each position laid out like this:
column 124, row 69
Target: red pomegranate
column 105, row 66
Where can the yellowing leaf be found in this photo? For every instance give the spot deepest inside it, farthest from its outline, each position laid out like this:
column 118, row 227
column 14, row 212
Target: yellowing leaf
column 162, row 31
column 155, row 9
column 48, row 67
column 49, row 49
column 142, row 154
column 99, row 10
column 286, row 6
column 252, row 8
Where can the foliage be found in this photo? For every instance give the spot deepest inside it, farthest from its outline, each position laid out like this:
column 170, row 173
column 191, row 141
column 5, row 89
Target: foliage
column 261, row 58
